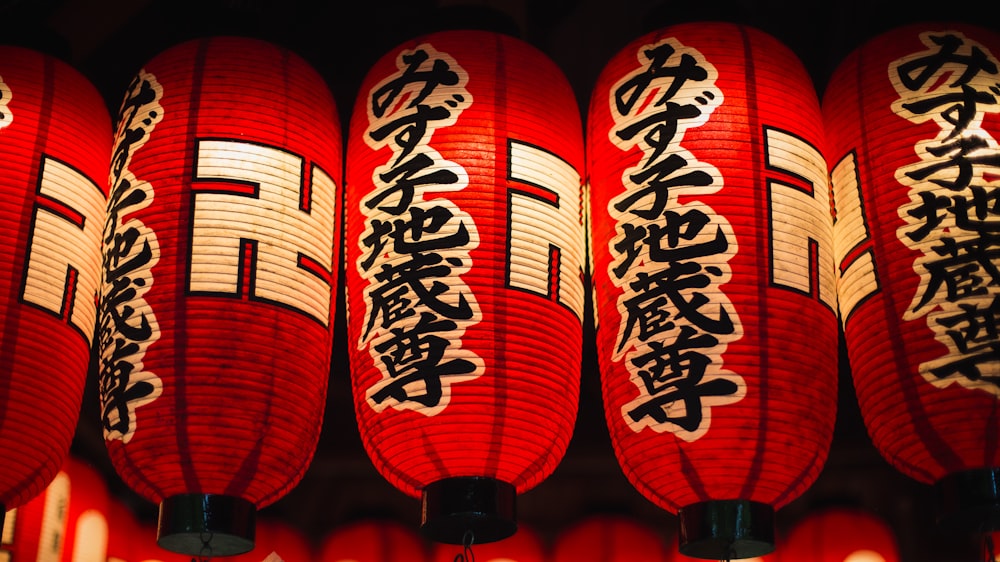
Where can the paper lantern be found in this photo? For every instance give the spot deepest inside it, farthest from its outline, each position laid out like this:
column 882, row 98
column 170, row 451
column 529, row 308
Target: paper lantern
column 913, row 121
column 87, row 525
column 714, row 281
column 373, row 540
column 465, row 253
column 609, row 538
column 278, row 538
column 220, row 253
column 55, row 140
column 523, row 546
column 841, row 535
column 37, row 530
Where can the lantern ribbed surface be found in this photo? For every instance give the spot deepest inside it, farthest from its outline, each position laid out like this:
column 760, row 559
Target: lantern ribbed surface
column 372, row 540
column 841, row 534
column 220, row 254
column 609, row 538
column 913, row 123
column 55, row 141
column 713, row 269
column 465, row 253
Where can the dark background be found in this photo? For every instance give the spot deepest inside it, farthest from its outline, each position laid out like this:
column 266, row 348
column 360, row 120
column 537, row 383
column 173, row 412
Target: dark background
column 109, row 40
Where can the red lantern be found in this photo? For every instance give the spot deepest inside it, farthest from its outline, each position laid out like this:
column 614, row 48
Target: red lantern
column 913, row 123
column 216, row 324
column 373, row 540
column 277, row 537
column 123, row 530
column 55, row 138
column 841, row 535
column 609, row 538
column 87, row 530
column 37, row 529
column 714, row 280
column 465, row 253
column 523, row 546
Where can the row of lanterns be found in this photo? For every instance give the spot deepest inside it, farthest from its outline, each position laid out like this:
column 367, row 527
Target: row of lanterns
column 733, row 221
column 76, row 519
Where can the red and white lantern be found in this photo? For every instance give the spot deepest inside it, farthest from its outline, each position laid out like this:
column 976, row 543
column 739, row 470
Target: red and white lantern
column 87, row 524
column 714, row 279
column 55, row 141
column 217, row 314
column 913, row 122
column 610, row 538
column 465, row 253
column 841, row 535
column 37, row 530
column 373, row 540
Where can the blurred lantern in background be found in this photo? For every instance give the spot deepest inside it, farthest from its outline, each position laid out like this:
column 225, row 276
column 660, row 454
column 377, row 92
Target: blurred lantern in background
column 277, row 537
column 609, row 538
column 89, row 509
column 465, row 252
column 714, row 278
column 145, row 549
column 913, row 122
column 216, row 320
column 55, row 141
column 840, row 535
column 36, row 531
column 372, row 540
column 523, row 546
column 122, row 531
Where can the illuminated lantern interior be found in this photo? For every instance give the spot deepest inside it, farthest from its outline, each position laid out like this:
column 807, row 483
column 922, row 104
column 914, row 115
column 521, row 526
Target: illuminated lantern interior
column 713, row 273
column 55, row 141
column 217, row 313
column 465, row 252
column 913, row 125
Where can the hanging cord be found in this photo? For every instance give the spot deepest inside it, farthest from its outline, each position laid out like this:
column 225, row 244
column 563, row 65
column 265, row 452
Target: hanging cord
column 989, row 554
column 206, row 548
column 466, row 554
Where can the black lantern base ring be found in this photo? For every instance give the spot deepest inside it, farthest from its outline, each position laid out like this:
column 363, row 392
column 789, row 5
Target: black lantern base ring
column 457, row 510
column 969, row 501
column 206, row 525
column 726, row 529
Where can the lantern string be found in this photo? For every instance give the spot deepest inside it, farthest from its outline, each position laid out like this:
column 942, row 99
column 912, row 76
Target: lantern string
column 466, row 554
column 206, row 546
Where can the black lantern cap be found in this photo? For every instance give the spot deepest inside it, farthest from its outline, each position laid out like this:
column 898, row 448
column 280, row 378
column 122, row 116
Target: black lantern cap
column 206, row 525
column 969, row 500
column 726, row 529
column 455, row 510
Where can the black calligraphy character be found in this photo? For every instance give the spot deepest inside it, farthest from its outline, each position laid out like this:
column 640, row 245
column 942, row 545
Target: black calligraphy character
column 957, row 154
column 439, row 74
column 963, row 107
column 657, row 182
column 412, row 128
column 916, row 73
column 406, row 180
column 631, row 91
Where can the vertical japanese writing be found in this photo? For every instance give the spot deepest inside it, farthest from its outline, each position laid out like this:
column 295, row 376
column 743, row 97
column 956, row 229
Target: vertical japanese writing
column 127, row 325
column 953, row 217
column 669, row 258
column 6, row 117
column 415, row 249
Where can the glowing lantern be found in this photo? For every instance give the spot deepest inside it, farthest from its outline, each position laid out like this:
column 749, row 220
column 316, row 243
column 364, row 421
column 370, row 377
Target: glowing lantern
column 713, row 274
column 123, row 530
column 279, row 538
column 87, row 519
column 216, row 320
column 55, row 141
column 523, row 546
column 37, row 529
column 465, row 253
column 609, row 538
column 913, row 123
column 373, row 540
column 841, row 535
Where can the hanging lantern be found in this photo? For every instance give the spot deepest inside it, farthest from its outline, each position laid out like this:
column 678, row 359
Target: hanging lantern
column 87, row 518
column 465, row 254
column 609, row 538
column 216, row 320
column 37, row 530
column 122, row 531
column 713, row 276
column 373, row 540
column 279, row 538
column 913, row 123
column 841, row 535
column 523, row 546
column 55, row 140
column 146, row 549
